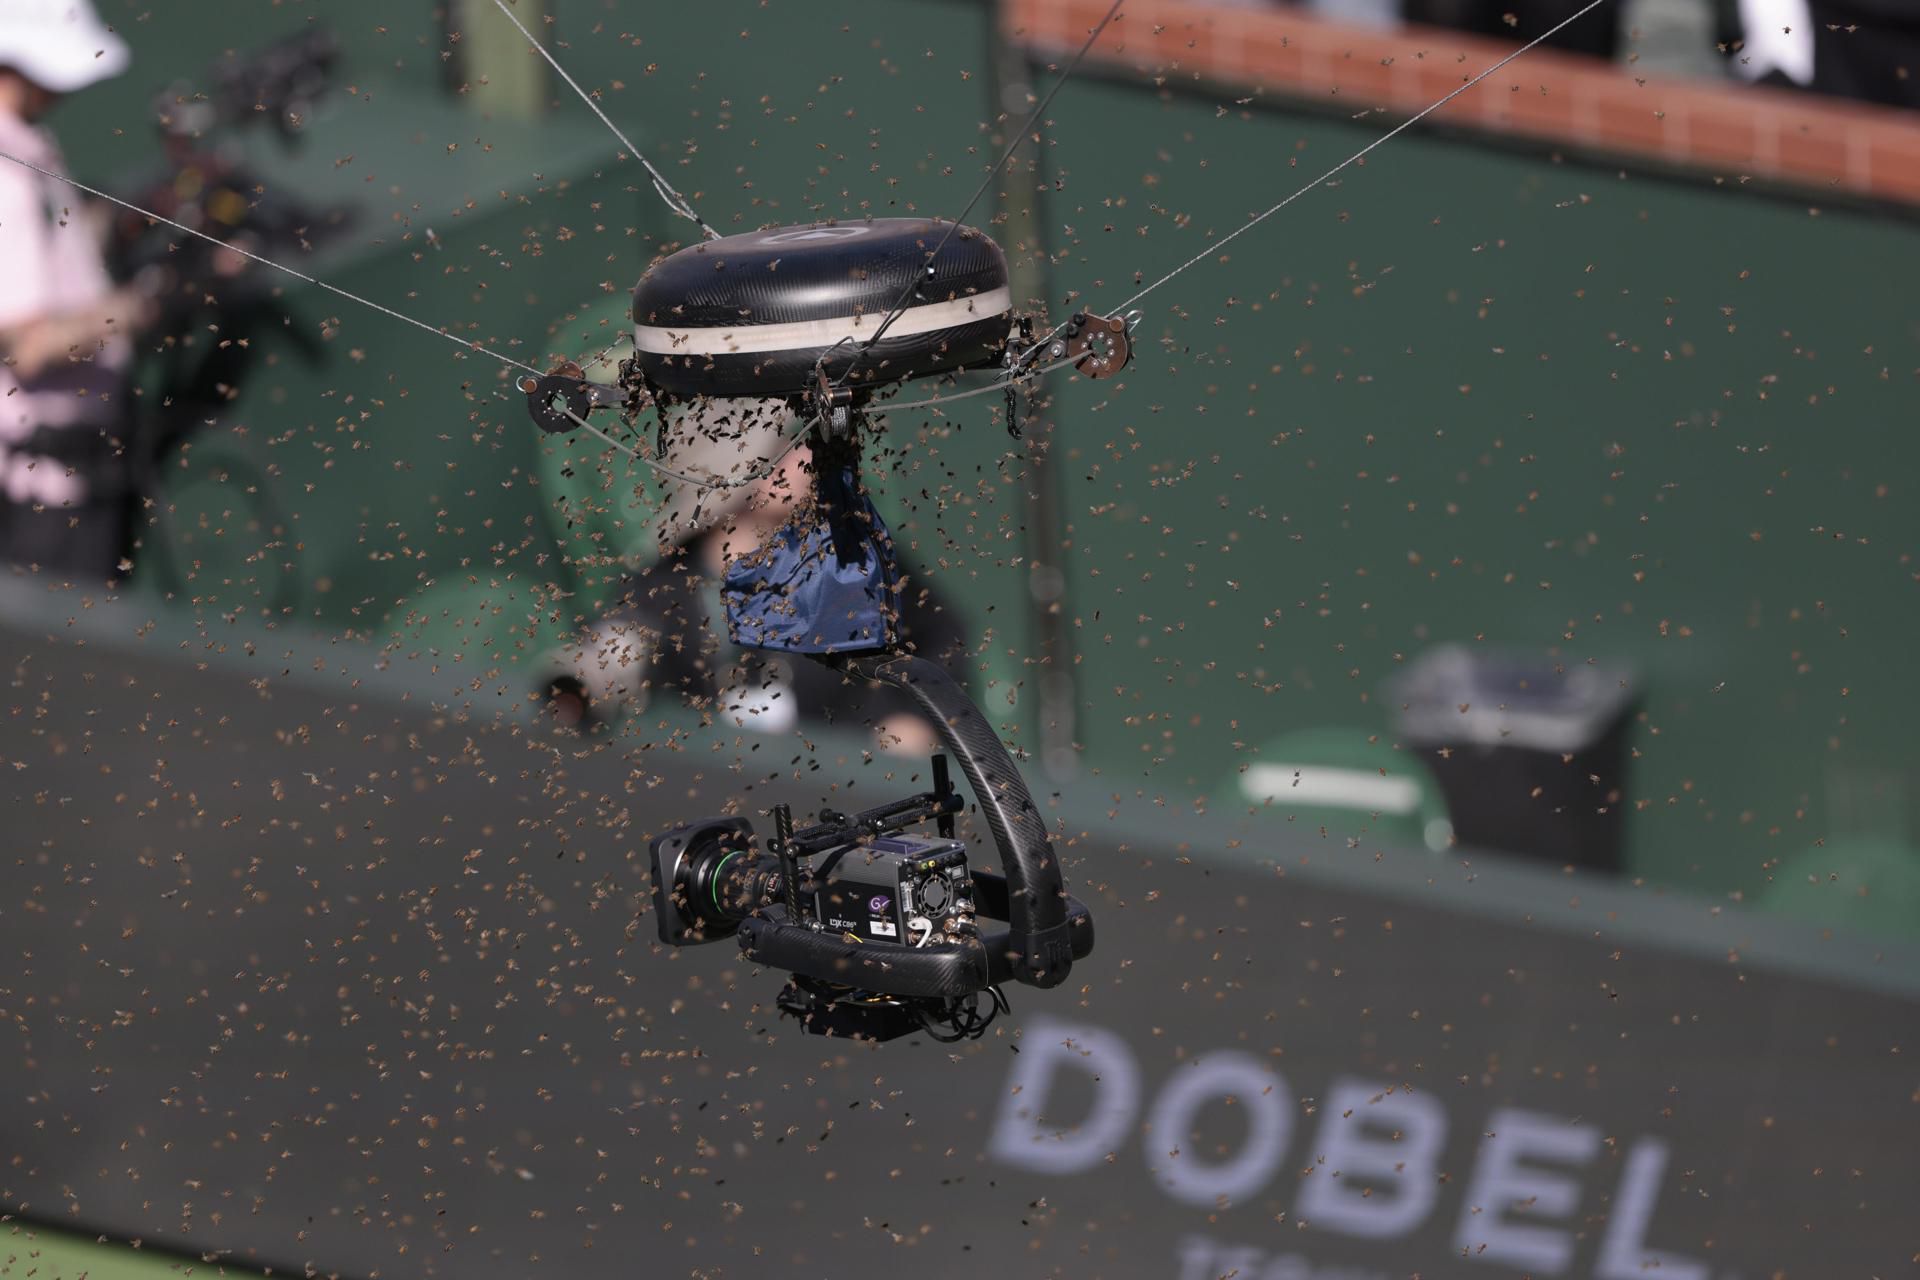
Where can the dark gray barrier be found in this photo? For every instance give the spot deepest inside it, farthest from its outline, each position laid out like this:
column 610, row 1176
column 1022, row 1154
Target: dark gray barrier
column 300, row 973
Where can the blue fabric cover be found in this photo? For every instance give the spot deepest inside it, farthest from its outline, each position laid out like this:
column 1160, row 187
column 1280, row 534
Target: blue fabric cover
column 819, row 585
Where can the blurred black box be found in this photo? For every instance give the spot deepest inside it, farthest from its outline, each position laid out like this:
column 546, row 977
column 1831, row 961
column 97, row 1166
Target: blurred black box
column 1531, row 755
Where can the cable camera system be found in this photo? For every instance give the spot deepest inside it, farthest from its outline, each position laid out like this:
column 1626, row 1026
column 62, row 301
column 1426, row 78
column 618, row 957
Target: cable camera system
column 885, row 932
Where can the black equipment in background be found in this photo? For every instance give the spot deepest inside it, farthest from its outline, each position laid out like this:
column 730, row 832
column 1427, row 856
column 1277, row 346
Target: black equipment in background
column 202, row 182
column 1532, row 756
column 215, row 307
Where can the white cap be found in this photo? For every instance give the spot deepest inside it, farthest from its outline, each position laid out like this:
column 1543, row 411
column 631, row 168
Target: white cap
column 1776, row 35
column 60, row 45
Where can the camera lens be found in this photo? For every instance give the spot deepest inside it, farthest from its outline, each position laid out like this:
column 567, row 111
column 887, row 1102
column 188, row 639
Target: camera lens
column 725, row 881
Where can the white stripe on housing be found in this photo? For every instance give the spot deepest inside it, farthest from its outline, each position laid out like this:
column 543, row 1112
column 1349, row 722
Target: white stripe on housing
column 1332, row 788
column 801, row 335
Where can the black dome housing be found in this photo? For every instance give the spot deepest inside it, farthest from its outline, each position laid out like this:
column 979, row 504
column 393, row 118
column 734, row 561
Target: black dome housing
column 752, row 314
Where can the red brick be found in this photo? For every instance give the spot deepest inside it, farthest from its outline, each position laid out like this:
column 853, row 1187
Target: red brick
column 1809, row 150
column 1363, row 79
column 1628, row 120
column 1722, row 139
column 1273, row 59
column 1540, row 111
column 1893, row 164
column 1728, row 130
column 1440, row 75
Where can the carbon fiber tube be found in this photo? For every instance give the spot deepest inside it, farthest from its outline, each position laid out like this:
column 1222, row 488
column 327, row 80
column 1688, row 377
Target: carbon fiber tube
column 990, row 896
column 1039, row 942
column 951, row 969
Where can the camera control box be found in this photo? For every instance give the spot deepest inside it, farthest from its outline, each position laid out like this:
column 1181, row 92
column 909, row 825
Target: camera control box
column 877, row 891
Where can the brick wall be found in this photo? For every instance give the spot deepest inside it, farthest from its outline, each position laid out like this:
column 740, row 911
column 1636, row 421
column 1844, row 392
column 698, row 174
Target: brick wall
column 1733, row 132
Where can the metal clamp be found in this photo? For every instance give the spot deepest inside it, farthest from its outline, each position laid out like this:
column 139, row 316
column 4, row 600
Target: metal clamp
column 1099, row 346
column 557, row 400
column 1019, row 349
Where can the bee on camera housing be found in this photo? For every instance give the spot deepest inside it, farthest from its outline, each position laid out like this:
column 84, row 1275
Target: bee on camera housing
column 885, row 932
column 882, row 929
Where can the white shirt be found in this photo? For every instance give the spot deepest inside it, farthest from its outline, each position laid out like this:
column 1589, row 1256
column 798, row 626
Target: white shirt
column 50, row 262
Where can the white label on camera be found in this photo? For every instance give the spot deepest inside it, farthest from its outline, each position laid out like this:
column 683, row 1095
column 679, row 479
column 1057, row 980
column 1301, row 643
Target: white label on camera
column 882, row 928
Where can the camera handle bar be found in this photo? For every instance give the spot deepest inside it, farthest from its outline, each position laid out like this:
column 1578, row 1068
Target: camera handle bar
column 1047, row 929
column 859, row 971
column 836, row 829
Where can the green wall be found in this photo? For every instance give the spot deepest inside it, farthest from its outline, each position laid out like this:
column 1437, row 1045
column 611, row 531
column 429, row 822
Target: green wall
column 1470, row 395
column 411, row 474
column 1462, row 394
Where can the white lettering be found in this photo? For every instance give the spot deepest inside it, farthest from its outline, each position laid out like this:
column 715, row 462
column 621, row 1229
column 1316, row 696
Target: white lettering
column 1374, row 1139
column 1202, row 1258
column 814, row 233
column 1290, row 1266
column 1195, row 1253
column 1623, row 1250
column 1260, row 1093
column 1375, row 1165
column 1024, row 1136
column 1503, row 1185
column 1237, row 1261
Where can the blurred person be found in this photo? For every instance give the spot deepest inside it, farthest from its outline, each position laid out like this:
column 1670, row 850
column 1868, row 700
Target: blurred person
column 1596, row 34
column 1356, row 13
column 1673, row 38
column 670, row 629
column 1863, row 49
column 63, row 350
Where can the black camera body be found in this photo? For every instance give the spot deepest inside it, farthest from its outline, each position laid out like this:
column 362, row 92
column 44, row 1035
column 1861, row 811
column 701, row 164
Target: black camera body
column 901, row 888
column 884, row 931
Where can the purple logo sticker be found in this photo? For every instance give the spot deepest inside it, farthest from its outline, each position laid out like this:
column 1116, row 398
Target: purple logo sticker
column 878, row 903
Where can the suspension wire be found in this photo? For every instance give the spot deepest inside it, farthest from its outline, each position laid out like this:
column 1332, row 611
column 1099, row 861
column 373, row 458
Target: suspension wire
column 1361, row 154
column 998, row 384
column 793, row 440
column 268, row 262
column 633, row 452
column 664, row 189
column 601, row 354
column 680, row 206
column 900, row 303
column 764, row 470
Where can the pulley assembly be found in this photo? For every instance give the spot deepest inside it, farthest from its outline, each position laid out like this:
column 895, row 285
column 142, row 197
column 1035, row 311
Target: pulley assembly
column 881, row 930
column 826, row 317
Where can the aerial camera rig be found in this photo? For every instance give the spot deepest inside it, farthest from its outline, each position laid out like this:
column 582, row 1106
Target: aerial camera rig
column 881, row 929
column 205, row 182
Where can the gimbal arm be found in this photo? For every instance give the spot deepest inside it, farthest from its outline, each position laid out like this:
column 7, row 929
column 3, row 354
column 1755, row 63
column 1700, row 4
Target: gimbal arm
column 1039, row 945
